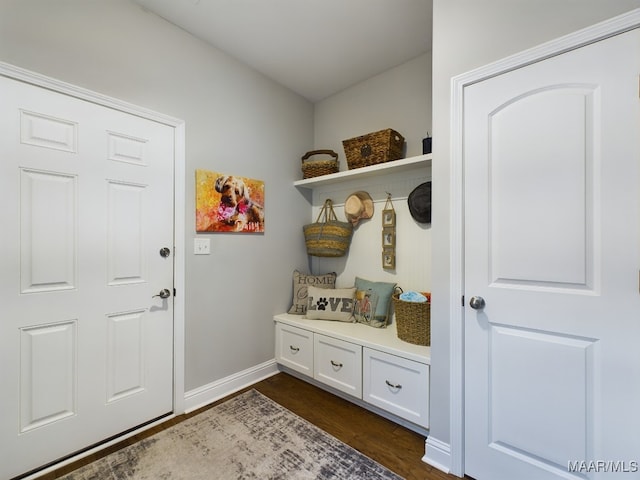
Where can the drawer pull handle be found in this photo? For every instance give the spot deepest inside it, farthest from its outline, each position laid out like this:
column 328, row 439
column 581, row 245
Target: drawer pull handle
column 294, row 349
column 392, row 385
column 336, row 364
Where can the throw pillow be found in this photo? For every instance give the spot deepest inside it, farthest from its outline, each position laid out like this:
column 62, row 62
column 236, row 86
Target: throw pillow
column 330, row 304
column 384, row 290
column 300, row 283
column 364, row 307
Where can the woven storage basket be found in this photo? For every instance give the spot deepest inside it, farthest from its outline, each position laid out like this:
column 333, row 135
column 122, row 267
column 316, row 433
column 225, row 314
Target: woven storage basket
column 327, row 237
column 374, row 148
column 316, row 168
column 413, row 320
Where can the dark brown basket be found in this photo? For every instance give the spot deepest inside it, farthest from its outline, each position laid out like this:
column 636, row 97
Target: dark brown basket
column 374, row 148
column 316, row 168
column 413, row 320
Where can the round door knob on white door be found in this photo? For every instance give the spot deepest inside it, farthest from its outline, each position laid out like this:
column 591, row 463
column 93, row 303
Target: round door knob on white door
column 477, row 303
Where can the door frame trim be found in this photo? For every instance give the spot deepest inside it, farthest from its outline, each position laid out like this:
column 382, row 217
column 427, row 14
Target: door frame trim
column 179, row 162
column 593, row 34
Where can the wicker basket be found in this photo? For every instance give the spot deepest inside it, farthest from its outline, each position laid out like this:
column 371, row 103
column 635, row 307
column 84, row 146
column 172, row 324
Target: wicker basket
column 374, row 148
column 327, row 237
column 413, row 320
column 316, row 168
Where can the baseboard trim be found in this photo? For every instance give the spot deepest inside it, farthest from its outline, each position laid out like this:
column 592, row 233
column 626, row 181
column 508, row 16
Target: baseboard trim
column 203, row 396
column 437, row 454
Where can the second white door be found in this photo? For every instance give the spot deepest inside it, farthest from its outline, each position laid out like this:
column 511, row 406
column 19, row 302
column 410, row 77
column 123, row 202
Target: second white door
column 552, row 243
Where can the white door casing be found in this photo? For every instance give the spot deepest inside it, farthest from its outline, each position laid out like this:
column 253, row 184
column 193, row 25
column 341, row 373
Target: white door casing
column 548, row 316
column 87, row 352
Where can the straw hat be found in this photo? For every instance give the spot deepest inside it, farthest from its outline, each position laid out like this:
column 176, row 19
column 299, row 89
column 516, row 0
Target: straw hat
column 420, row 203
column 358, row 206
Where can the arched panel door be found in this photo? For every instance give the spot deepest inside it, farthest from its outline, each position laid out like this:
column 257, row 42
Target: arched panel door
column 551, row 258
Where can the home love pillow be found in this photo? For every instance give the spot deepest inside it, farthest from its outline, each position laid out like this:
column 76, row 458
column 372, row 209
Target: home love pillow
column 330, row 304
column 301, row 282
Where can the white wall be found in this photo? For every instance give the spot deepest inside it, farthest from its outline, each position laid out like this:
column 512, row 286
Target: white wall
column 399, row 98
column 237, row 122
column 468, row 34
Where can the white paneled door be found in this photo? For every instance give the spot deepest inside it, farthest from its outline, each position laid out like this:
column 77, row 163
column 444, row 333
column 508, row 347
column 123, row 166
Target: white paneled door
column 552, row 259
column 86, row 206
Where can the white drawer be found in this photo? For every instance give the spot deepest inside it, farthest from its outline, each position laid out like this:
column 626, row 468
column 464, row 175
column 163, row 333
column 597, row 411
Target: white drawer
column 338, row 363
column 397, row 385
column 294, row 348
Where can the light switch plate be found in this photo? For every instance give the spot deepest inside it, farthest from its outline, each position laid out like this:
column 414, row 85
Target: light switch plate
column 201, row 246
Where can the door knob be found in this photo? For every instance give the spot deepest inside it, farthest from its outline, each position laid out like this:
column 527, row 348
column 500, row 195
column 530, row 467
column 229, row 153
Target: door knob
column 477, row 303
column 165, row 252
column 164, row 293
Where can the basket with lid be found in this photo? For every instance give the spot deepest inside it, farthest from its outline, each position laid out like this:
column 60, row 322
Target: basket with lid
column 373, row 148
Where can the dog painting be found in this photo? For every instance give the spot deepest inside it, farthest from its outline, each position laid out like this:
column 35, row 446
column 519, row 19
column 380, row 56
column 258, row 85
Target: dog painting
column 226, row 203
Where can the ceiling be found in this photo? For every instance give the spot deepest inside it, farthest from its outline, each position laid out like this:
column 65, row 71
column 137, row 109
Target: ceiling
column 314, row 47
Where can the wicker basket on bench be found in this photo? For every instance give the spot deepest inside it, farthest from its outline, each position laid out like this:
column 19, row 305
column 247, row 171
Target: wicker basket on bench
column 413, row 320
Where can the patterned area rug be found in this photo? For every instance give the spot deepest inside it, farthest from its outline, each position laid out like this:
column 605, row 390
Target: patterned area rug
column 247, row 437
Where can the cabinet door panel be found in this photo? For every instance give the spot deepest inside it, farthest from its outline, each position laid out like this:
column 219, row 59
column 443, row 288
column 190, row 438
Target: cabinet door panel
column 294, row 348
column 339, row 364
column 397, row 385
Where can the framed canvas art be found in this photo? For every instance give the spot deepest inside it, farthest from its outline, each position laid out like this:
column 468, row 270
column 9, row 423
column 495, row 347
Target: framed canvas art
column 226, row 203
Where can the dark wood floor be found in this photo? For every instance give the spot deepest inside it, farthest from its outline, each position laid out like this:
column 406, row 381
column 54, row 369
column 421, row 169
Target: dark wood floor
column 391, row 445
